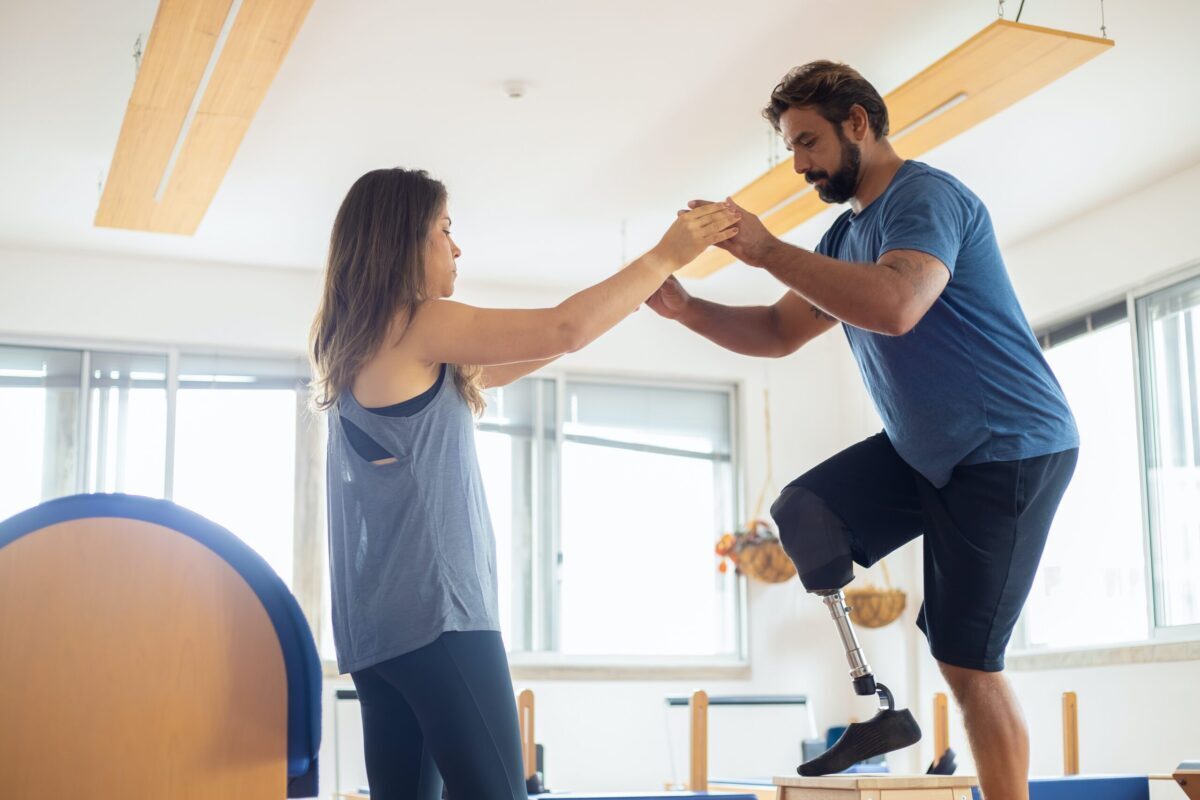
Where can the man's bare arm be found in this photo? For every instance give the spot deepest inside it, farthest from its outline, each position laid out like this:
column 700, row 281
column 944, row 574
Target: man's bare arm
column 768, row 331
column 887, row 297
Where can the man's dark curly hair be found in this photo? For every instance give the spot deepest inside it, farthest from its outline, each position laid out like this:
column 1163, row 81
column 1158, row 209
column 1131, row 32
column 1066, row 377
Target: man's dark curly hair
column 830, row 88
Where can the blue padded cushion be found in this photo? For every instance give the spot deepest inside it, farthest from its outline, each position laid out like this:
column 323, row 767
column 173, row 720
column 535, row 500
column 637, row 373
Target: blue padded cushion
column 300, row 658
column 1088, row 787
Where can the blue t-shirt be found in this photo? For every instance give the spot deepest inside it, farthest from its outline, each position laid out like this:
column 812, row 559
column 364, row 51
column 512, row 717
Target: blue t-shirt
column 969, row 383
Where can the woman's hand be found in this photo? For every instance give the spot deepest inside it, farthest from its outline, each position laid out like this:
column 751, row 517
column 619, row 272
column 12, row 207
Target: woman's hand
column 753, row 240
column 693, row 231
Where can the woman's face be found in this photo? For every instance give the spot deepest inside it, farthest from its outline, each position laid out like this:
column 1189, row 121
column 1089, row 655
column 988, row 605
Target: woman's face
column 440, row 255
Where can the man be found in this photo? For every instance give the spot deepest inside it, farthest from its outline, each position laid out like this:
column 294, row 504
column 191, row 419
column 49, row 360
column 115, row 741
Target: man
column 979, row 443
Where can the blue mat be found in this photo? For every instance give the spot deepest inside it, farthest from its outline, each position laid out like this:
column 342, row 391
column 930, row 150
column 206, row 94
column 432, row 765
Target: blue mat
column 1088, row 787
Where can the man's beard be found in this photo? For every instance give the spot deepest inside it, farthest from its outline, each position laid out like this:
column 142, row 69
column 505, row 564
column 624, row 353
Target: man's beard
column 841, row 185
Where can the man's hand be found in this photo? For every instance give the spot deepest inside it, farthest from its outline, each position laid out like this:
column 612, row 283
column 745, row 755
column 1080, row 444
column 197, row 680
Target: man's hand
column 670, row 300
column 752, row 241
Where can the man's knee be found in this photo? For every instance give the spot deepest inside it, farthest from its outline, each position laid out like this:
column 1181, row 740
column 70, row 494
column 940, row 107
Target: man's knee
column 816, row 540
column 965, row 682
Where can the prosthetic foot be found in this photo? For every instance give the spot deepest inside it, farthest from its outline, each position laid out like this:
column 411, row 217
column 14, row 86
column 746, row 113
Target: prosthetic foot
column 818, row 542
column 888, row 730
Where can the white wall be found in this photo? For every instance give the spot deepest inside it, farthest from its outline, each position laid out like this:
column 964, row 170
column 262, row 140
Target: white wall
column 155, row 301
column 1111, row 250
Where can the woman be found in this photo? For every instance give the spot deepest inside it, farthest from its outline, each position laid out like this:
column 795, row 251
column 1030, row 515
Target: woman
column 412, row 556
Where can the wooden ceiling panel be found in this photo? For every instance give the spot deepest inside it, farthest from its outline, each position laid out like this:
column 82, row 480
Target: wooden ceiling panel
column 996, row 68
column 180, row 47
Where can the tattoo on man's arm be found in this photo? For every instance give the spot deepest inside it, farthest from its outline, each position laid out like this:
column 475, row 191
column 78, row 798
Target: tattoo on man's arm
column 819, row 314
column 912, row 270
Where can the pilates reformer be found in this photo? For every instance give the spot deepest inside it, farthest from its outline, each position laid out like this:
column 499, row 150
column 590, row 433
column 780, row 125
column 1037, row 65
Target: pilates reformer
column 148, row 652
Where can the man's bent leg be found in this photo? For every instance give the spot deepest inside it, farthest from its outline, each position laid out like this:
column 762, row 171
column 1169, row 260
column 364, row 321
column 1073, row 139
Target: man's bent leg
column 826, row 522
column 995, row 729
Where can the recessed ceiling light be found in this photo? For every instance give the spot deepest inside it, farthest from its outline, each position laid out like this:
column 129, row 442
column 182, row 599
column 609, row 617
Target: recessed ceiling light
column 515, row 89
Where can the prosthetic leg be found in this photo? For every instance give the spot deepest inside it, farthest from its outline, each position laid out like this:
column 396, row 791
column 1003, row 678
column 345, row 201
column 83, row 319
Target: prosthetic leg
column 819, row 544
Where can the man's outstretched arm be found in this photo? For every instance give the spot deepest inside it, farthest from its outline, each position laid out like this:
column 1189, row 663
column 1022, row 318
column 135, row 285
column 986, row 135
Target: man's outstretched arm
column 767, row 331
column 889, row 296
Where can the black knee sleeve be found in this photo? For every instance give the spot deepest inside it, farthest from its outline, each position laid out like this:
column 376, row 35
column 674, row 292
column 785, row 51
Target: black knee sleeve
column 815, row 539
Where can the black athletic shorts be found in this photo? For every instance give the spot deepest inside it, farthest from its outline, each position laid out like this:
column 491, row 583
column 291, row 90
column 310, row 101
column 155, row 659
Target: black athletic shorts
column 984, row 535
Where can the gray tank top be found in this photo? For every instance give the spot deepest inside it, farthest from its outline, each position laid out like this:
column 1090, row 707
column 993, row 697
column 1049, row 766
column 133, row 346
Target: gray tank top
column 411, row 549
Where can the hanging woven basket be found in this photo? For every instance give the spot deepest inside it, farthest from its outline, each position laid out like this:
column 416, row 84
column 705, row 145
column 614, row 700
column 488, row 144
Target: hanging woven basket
column 872, row 607
column 760, row 555
column 766, row 562
column 756, row 553
column 755, row 550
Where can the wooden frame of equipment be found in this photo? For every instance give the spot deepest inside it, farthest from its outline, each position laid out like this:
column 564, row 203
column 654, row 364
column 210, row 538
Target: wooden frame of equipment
column 525, row 713
column 1187, row 778
column 1070, row 723
column 941, row 725
column 997, row 67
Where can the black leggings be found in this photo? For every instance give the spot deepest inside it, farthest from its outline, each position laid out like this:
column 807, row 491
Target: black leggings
column 443, row 711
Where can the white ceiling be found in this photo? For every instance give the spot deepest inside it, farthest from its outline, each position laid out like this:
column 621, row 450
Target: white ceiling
column 633, row 107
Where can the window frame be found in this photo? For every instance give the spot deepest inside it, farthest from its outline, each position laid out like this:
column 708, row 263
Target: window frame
column 1159, row 633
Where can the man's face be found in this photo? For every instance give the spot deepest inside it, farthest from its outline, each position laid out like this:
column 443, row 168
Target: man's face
column 822, row 153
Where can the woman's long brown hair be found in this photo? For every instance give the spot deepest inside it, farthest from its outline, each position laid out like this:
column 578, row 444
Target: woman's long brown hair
column 376, row 276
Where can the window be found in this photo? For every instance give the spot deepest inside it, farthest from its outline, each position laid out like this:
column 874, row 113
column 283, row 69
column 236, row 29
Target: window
column 1095, row 545
column 217, row 434
column 127, row 423
column 235, row 449
column 39, row 425
column 647, row 486
column 1127, row 535
column 606, row 498
column 1169, row 353
column 516, row 446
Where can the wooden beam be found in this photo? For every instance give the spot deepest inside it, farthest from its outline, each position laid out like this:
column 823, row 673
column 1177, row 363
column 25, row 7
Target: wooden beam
column 698, row 753
column 1070, row 722
column 997, row 67
column 181, row 43
column 180, row 47
column 528, row 736
column 941, row 725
